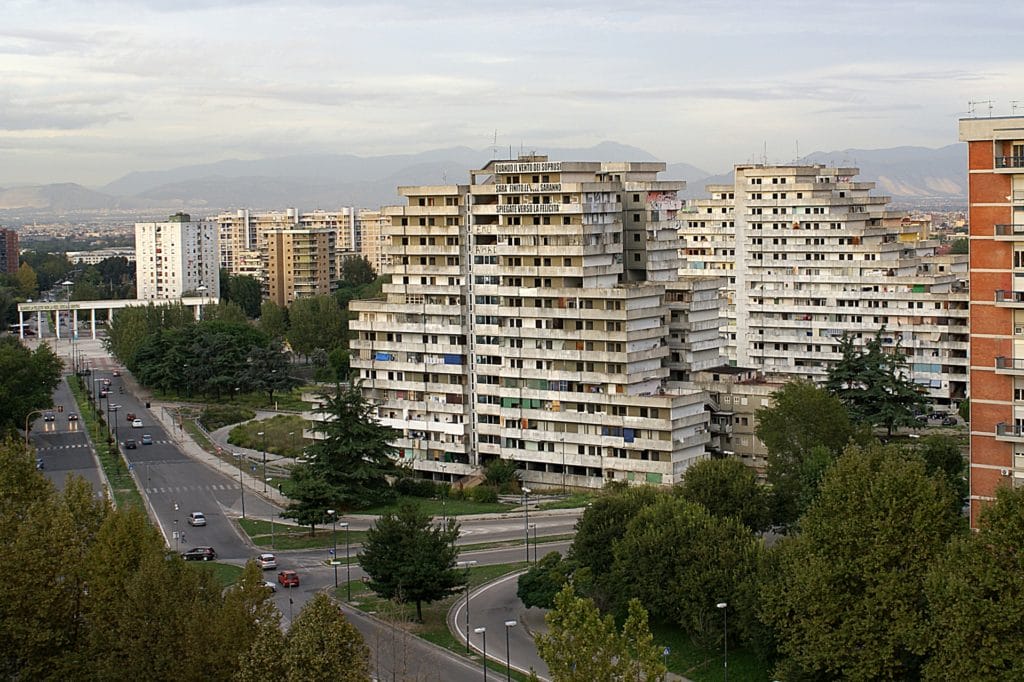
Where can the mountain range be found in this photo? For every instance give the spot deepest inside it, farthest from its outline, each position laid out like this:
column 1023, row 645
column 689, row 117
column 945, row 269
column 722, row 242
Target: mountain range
column 910, row 175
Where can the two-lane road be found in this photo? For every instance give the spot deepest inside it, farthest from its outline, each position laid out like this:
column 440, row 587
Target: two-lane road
column 62, row 444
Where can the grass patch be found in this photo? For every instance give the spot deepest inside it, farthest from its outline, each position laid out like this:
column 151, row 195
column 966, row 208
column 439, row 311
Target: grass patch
column 282, row 435
column 297, row 537
column 199, row 437
column 226, row 574
column 216, row 416
column 543, row 539
column 573, row 501
column 702, row 665
column 439, row 507
column 289, row 401
column 122, row 485
column 434, row 627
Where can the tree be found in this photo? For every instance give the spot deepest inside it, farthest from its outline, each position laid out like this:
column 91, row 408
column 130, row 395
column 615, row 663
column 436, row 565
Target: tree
column 545, row 579
column 502, row 474
column 244, row 291
column 131, row 327
column 315, row 322
column 28, row 284
column 847, row 599
column 873, row 385
column 27, row 381
column 356, row 272
column 225, row 311
column 727, row 488
column 960, row 245
column 679, row 561
column 975, row 595
column 273, row 320
column 409, row 559
column 267, row 370
column 323, row 645
column 355, row 455
column 801, row 418
column 311, row 497
column 581, row 646
column 941, row 455
column 964, row 410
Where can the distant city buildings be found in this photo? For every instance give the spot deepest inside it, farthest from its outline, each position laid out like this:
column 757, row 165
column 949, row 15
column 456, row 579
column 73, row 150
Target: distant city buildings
column 996, row 203
column 176, row 258
column 9, row 251
column 299, row 263
column 99, row 255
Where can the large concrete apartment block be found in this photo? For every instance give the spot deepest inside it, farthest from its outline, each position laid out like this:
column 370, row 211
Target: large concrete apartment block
column 809, row 254
column 299, row 264
column 9, row 251
column 528, row 318
column 176, row 258
column 996, row 204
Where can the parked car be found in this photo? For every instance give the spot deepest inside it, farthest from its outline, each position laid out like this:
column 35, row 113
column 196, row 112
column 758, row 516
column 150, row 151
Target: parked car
column 72, row 417
column 197, row 519
column 270, row 585
column 199, row 554
column 147, row 439
column 949, row 421
column 137, row 424
column 266, row 561
column 288, row 578
column 130, row 444
column 48, row 417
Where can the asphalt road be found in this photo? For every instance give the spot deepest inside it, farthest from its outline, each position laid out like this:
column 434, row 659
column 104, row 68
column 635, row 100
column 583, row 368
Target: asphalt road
column 63, row 445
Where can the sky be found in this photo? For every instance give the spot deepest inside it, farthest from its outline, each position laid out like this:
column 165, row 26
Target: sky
column 94, row 89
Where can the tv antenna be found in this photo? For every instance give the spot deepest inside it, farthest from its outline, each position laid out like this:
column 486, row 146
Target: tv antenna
column 494, row 145
column 972, row 106
column 1013, row 106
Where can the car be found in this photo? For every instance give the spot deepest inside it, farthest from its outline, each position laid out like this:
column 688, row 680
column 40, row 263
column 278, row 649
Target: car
column 48, row 417
column 266, row 561
column 72, row 417
column 116, row 372
column 288, row 578
column 104, row 393
column 197, row 519
column 270, row 585
column 136, row 423
column 949, row 421
column 130, row 444
column 105, row 382
column 147, row 439
column 130, row 416
column 199, row 554
column 39, row 463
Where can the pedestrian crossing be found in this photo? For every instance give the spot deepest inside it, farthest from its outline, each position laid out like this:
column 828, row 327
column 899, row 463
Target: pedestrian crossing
column 189, row 488
column 72, row 446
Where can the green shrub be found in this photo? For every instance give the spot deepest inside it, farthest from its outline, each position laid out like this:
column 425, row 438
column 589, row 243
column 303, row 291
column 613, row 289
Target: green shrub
column 483, row 494
column 502, row 475
column 416, row 487
column 456, row 492
column 214, row 417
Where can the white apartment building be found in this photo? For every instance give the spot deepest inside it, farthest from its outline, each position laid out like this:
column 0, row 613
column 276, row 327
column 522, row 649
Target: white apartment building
column 528, row 318
column 810, row 254
column 176, row 258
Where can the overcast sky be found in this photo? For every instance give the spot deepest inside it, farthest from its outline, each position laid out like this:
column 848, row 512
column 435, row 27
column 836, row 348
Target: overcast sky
column 94, row 89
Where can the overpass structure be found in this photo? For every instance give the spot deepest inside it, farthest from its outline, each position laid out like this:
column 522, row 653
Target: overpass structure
column 72, row 309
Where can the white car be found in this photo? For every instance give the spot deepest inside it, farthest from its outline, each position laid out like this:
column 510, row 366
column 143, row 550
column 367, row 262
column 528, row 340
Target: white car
column 266, row 561
column 270, row 585
column 196, row 519
column 136, row 423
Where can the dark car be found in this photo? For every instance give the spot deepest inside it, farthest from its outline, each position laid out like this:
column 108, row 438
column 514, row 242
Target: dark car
column 48, row 417
column 130, row 444
column 199, row 554
column 39, row 463
column 72, row 417
column 949, row 421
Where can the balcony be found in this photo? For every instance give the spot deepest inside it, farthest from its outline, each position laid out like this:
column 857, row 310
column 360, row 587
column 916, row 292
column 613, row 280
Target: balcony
column 1009, row 232
column 1009, row 299
column 1006, row 365
column 1011, row 433
column 1010, row 162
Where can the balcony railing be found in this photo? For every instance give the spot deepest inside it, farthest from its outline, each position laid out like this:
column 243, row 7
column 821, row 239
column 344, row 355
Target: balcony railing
column 1004, row 296
column 1004, row 430
column 1010, row 162
column 1009, row 231
column 1009, row 364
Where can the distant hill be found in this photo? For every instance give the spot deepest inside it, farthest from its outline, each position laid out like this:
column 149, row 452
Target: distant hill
column 908, row 174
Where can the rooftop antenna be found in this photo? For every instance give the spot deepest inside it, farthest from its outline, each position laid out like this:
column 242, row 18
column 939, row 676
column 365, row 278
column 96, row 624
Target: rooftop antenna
column 972, row 106
column 764, row 154
column 797, row 160
column 494, row 145
column 1013, row 106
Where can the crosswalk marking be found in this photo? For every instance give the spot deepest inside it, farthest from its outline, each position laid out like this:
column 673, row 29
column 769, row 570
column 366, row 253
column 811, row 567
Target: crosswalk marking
column 187, row 488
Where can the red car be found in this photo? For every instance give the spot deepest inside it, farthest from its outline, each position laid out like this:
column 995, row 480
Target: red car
column 288, row 578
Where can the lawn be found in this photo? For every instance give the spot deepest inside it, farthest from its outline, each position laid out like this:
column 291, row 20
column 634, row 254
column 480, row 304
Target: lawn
column 287, row 401
column 282, row 435
column 226, row 574
column 297, row 537
column 573, row 501
column 700, row 665
column 439, row 507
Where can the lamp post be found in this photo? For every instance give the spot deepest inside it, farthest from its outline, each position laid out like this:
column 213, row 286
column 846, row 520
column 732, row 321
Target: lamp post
column 725, row 636
column 508, row 652
column 67, row 284
column 483, row 633
column 241, row 487
column 263, row 435
column 444, row 495
column 526, row 520
column 26, row 423
column 176, row 536
column 114, row 409
column 348, row 563
column 533, row 527
column 334, row 552
column 466, row 565
column 563, row 463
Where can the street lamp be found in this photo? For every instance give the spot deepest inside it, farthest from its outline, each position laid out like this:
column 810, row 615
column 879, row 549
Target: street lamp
column 176, row 536
column 526, row 520
column 444, row 495
column 508, row 652
column 533, row 527
column 26, row 423
column 725, row 636
column 348, row 563
column 241, row 487
column 114, row 409
column 263, row 434
column 563, row 463
column 466, row 564
column 334, row 552
column 67, row 284
column 483, row 633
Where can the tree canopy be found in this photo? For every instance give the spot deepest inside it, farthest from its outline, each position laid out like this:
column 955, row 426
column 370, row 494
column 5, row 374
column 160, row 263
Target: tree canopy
column 315, row 322
column 727, row 488
column 545, row 579
column 411, row 560
column 27, row 381
column 847, row 598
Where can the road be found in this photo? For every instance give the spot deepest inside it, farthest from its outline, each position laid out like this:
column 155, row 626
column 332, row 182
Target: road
column 63, row 445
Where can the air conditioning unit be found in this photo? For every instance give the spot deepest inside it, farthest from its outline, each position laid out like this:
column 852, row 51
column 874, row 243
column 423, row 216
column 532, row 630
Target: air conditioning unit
column 1018, row 329
column 1004, row 471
